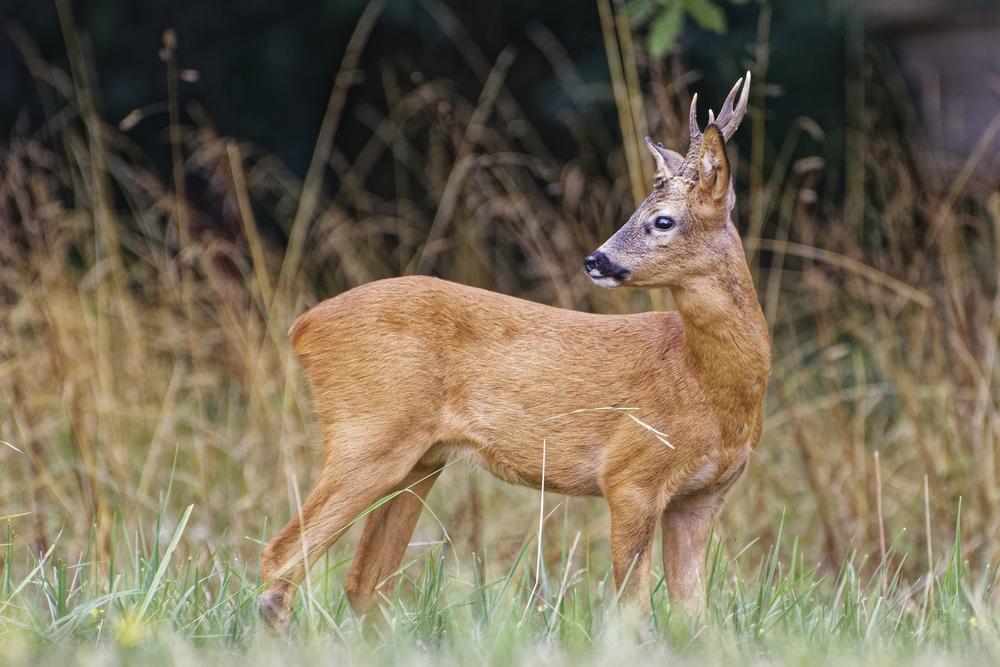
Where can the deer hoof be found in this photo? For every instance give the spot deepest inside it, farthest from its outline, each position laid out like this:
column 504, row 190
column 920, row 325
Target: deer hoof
column 274, row 613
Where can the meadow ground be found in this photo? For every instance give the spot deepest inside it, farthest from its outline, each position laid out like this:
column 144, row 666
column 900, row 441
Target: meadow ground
column 158, row 608
column 155, row 428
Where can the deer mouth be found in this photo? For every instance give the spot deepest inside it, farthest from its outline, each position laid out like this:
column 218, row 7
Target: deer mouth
column 608, row 281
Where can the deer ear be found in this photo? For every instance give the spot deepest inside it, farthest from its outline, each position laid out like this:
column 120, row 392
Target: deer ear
column 713, row 165
column 667, row 161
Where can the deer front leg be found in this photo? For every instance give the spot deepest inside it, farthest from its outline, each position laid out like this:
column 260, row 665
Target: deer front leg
column 686, row 528
column 633, row 522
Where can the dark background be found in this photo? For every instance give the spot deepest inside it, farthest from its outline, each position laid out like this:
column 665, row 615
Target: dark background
column 266, row 68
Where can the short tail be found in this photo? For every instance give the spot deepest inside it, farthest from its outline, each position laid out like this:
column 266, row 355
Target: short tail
column 298, row 330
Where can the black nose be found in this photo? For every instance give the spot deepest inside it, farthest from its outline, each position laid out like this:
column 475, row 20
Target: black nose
column 599, row 262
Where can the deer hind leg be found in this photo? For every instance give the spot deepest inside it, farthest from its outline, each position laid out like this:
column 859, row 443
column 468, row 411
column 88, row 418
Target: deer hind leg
column 686, row 529
column 349, row 483
column 386, row 535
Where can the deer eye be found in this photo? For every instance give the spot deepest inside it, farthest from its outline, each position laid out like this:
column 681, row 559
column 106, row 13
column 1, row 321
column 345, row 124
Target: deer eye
column 664, row 223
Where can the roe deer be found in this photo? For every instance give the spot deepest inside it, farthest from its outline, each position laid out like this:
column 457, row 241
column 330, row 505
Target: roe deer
column 409, row 372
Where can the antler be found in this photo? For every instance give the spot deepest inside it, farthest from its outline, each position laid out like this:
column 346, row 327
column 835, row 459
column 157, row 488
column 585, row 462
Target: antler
column 729, row 117
column 693, row 121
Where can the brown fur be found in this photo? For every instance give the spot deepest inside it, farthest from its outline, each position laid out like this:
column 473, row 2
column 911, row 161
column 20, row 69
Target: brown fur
column 409, row 372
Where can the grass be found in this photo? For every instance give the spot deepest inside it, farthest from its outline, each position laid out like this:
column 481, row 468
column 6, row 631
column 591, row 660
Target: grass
column 152, row 607
column 155, row 428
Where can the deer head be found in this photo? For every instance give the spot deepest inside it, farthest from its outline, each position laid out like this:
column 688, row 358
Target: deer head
column 677, row 231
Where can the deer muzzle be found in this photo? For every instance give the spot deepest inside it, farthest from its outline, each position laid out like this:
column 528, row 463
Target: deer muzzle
column 603, row 271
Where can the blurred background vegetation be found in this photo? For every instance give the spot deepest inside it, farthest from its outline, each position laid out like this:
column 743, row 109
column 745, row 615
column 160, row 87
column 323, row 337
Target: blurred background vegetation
column 265, row 69
column 179, row 180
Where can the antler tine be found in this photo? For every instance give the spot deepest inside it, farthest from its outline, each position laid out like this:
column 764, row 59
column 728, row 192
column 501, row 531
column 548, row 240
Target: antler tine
column 729, row 117
column 693, row 128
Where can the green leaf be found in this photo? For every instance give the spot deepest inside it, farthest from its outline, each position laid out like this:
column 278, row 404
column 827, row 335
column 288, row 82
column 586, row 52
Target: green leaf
column 665, row 29
column 165, row 561
column 706, row 14
column 638, row 11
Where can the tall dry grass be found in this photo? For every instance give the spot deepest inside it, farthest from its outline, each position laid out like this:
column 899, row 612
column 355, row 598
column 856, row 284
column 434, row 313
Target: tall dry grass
column 144, row 367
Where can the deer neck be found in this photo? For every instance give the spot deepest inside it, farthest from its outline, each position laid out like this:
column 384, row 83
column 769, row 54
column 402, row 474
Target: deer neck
column 726, row 337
